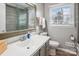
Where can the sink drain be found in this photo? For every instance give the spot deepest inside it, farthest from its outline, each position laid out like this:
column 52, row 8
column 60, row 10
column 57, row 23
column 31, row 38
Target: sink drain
column 28, row 47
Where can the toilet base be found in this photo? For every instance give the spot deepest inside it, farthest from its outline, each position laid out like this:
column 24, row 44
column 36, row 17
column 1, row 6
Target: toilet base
column 52, row 52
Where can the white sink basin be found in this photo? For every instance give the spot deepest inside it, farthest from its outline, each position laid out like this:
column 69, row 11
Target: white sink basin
column 23, row 43
column 23, row 48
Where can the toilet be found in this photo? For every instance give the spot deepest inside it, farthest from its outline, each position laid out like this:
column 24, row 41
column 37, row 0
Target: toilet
column 53, row 45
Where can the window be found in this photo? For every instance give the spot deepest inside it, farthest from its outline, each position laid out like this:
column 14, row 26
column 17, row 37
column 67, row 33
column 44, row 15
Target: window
column 61, row 14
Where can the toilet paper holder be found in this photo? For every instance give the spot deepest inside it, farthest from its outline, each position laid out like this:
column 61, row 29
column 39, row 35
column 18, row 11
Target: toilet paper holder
column 72, row 38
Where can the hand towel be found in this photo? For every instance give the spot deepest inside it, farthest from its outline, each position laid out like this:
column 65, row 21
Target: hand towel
column 43, row 23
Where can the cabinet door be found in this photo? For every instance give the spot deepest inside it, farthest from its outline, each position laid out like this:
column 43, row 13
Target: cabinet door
column 36, row 54
column 42, row 51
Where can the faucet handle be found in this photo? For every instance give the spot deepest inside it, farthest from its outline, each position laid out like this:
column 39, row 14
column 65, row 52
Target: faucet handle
column 22, row 38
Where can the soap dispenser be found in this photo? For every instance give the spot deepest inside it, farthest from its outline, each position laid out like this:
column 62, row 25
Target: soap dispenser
column 28, row 35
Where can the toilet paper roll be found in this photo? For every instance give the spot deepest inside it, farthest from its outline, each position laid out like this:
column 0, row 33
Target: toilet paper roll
column 54, row 44
column 72, row 38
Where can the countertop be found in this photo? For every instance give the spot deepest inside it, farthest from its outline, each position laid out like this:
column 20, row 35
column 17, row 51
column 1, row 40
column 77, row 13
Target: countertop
column 21, row 48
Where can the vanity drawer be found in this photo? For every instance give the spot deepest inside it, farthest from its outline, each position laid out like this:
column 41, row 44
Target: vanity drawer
column 3, row 46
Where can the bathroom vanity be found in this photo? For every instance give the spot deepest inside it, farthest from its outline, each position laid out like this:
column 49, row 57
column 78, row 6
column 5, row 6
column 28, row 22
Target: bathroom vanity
column 22, row 48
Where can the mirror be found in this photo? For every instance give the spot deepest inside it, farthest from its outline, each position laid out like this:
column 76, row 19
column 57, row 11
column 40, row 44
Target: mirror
column 20, row 16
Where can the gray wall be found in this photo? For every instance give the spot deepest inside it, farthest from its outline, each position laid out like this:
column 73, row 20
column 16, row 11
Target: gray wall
column 39, row 12
column 59, row 33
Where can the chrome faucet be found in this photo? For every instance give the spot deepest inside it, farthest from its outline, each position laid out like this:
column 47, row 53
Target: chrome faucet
column 23, row 38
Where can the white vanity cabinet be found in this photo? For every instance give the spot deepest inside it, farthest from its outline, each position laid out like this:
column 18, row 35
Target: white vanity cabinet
column 31, row 49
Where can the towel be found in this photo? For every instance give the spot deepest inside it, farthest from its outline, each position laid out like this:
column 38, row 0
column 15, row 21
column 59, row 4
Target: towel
column 40, row 20
column 43, row 23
